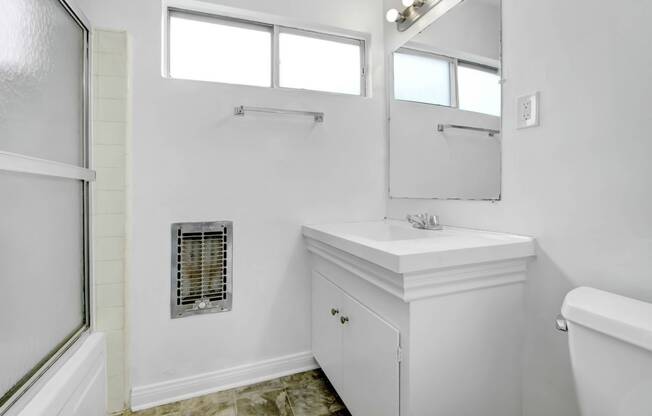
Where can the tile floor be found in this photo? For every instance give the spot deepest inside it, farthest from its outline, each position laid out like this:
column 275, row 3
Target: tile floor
column 303, row 394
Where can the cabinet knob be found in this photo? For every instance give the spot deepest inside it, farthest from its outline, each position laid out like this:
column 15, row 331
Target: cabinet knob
column 344, row 319
column 334, row 311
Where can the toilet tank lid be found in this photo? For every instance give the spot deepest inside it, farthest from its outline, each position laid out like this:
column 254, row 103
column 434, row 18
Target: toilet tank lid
column 621, row 317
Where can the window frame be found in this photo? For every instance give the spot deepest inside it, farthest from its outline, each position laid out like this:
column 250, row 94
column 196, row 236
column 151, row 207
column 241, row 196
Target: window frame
column 277, row 27
column 454, row 80
column 322, row 36
column 226, row 21
column 33, row 380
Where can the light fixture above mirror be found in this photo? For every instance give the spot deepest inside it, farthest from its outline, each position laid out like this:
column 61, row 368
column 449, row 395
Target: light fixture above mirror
column 414, row 10
column 415, row 3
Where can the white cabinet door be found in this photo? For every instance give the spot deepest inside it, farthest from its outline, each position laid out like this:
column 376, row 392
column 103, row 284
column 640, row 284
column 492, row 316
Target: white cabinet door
column 370, row 367
column 326, row 332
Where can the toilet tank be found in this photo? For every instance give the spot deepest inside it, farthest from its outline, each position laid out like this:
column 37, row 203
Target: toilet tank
column 610, row 341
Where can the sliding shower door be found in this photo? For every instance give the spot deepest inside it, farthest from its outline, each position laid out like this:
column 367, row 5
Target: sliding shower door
column 44, row 189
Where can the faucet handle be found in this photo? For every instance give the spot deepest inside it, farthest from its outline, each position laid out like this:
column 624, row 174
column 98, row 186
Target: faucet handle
column 417, row 220
column 424, row 221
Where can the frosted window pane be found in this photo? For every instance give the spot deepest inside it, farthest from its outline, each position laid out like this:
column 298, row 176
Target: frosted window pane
column 479, row 90
column 320, row 64
column 42, row 270
column 422, row 78
column 210, row 49
column 41, row 81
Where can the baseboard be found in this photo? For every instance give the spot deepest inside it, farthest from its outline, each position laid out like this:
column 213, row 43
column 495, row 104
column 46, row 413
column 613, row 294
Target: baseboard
column 144, row 397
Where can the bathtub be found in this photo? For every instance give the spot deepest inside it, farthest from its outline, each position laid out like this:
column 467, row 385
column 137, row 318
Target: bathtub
column 76, row 386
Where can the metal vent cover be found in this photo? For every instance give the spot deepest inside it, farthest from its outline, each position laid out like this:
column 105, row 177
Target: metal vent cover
column 202, row 268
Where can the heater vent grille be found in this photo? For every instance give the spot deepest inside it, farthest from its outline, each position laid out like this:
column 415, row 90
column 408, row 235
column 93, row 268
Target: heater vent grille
column 201, row 268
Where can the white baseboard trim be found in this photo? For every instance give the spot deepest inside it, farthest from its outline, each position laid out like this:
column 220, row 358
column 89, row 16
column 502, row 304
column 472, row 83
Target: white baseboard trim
column 144, row 397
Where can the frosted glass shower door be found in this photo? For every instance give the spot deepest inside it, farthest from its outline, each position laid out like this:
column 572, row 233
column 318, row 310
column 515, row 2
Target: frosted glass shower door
column 44, row 189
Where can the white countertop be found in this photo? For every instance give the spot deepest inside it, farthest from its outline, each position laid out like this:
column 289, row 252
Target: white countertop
column 396, row 246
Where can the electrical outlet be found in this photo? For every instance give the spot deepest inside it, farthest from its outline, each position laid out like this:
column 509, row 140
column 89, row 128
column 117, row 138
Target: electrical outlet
column 528, row 111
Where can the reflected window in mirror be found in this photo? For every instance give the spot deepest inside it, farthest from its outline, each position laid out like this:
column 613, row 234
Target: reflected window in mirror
column 422, row 77
column 478, row 88
column 429, row 78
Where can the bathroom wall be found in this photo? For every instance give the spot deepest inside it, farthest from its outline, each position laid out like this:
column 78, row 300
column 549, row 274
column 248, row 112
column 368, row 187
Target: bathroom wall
column 110, row 127
column 580, row 183
column 471, row 28
column 193, row 161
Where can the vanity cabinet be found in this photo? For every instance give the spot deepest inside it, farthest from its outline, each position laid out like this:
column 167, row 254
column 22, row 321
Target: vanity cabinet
column 357, row 349
column 411, row 322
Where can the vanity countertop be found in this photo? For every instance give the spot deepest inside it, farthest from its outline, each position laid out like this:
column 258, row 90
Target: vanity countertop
column 397, row 246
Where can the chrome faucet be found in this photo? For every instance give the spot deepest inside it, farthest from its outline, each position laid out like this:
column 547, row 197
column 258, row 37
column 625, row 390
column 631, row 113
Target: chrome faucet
column 425, row 221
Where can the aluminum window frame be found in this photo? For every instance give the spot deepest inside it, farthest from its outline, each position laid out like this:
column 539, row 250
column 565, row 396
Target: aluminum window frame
column 276, row 30
column 225, row 21
column 478, row 66
column 28, row 385
column 332, row 38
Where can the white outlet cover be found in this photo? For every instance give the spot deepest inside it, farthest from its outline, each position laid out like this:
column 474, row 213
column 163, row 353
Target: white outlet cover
column 527, row 111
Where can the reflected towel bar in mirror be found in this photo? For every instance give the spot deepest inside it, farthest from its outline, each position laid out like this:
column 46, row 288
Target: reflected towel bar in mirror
column 442, row 127
column 241, row 110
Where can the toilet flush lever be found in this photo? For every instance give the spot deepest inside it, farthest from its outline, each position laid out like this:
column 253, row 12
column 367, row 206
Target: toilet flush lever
column 561, row 323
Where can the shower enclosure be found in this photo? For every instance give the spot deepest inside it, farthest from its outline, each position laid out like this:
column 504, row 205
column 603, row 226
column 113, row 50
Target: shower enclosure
column 45, row 180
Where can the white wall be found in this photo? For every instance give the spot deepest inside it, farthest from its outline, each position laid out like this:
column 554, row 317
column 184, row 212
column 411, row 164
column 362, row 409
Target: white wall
column 580, row 183
column 470, row 28
column 193, row 161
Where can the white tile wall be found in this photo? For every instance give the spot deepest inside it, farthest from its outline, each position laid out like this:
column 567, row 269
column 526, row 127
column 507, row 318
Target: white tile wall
column 109, row 132
column 110, row 104
column 110, row 109
column 108, row 296
column 110, row 179
column 107, row 156
column 110, row 225
column 109, row 248
column 109, row 202
column 109, row 271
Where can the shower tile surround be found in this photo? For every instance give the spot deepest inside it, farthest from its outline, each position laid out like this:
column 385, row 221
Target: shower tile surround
column 110, row 120
column 303, row 394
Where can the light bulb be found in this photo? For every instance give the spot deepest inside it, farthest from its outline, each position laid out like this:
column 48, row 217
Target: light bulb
column 407, row 3
column 392, row 15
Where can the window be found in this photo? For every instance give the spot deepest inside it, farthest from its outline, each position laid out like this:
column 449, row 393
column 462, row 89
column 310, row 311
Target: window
column 422, row 77
column 478, row 88
column 44, row 172
column 322, row 63
column 221, row 49
column 428, row 78
column 211, row 49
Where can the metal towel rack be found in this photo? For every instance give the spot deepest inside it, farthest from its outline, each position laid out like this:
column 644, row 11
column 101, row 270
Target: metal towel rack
column 241, row 110
column 491, row 132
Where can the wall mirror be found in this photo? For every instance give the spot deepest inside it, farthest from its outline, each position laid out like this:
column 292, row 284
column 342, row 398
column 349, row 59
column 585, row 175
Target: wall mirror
column 445, row 107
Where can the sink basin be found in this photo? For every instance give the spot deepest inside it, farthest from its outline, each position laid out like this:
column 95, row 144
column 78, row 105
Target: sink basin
column 397, row 246
column 387, row 231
